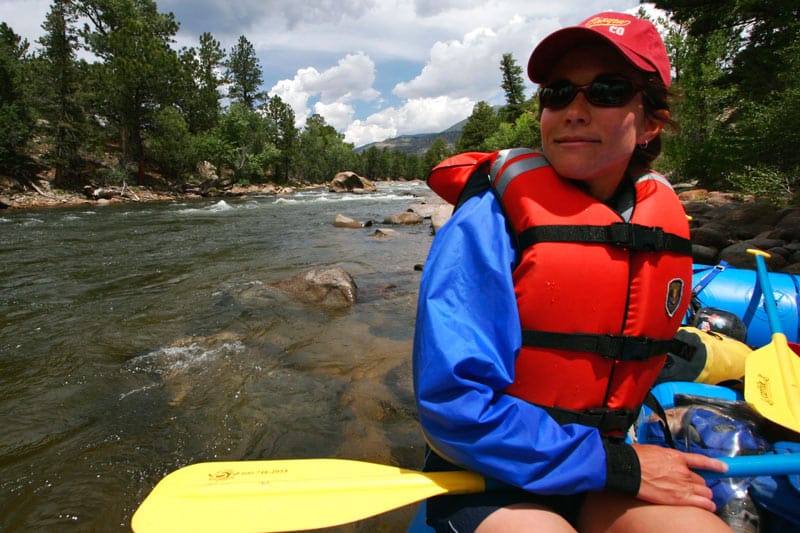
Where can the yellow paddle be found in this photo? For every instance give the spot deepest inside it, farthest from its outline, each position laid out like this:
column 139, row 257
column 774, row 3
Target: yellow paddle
column 287, row 495
column 302, row 494
column 772, row 372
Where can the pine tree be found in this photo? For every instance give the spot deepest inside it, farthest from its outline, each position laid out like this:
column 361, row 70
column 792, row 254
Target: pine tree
column 200, row 100
column 514, row 87
column 16, row 113
column 60, row 106
column 481, row 125
column 284, row 136
column 244, row 74
column 137, row 68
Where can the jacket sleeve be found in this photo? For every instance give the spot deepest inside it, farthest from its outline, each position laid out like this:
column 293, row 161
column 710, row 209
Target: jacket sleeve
column 466, row 340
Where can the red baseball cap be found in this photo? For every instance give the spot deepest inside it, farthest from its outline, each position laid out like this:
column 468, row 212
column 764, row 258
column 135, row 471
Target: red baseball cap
column 636, row 39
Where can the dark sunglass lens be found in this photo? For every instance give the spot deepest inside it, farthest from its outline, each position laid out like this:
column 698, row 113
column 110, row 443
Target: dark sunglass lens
column 603, row 91
column 557, row 95
column 614, row 92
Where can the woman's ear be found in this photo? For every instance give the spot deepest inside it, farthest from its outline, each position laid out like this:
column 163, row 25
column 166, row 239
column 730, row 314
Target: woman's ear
column 653, row 124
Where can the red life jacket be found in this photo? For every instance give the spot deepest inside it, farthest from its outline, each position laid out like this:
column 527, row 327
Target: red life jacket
column 600, row 299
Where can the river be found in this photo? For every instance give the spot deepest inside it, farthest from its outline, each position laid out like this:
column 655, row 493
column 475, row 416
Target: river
column 138, row 338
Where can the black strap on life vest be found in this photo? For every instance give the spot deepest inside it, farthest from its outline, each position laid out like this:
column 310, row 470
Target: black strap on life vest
column 607, row 421
column 612, row 421
column 617, row 347
column 477, row 183
column 632, row 236
column 652, row 402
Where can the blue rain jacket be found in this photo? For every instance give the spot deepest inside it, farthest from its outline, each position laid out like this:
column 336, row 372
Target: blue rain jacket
column 467, row 338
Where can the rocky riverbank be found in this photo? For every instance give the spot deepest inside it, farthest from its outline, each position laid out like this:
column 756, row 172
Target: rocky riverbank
column 723, row 225
column 47, row 197
column 723, row 228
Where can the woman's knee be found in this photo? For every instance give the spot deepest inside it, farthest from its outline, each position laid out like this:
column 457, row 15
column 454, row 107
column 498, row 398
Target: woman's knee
column 524, row 517
column 609, row 512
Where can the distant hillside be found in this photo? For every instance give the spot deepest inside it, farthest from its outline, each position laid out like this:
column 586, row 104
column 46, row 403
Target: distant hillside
column 419, row 143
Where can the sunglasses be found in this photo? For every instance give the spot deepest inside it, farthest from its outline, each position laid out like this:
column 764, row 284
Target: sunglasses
column 604, row 91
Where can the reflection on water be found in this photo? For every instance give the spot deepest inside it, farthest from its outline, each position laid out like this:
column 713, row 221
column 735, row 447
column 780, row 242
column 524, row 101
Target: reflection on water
column 136, row 339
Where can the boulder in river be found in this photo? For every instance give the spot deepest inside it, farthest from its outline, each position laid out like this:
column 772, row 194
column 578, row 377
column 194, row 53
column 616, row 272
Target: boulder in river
column 405, row 218
column 349, row 181
column 342, row 221
column 333, row 287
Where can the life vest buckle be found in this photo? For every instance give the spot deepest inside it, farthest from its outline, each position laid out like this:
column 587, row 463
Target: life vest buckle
column 636, row 237
column 605, row 419
column 624, row 348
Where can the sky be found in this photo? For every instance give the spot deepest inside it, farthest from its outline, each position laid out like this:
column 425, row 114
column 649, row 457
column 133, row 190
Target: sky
column 374, row 69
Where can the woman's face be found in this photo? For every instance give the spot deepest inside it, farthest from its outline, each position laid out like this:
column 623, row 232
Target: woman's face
column 589, row 143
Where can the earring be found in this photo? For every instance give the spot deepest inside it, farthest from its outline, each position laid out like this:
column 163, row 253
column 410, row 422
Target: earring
column 644, row 145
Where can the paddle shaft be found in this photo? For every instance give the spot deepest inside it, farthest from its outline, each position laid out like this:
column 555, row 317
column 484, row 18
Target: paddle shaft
column 766, row 287
column 758, row 465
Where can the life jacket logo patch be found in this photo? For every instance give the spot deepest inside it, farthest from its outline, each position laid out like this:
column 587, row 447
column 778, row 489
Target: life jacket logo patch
column 674, row 296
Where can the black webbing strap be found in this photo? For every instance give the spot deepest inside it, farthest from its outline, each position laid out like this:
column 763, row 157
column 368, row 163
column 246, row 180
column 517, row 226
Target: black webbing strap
column 605, row 420
column 477, row 183
column 652, row 402
column 632, row 236
column 618, row 347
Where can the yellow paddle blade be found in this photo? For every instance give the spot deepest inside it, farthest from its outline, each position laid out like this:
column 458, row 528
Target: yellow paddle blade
column 772, row 382
column 287, row 495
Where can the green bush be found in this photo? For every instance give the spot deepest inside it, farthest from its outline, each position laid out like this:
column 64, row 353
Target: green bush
column 766, row 183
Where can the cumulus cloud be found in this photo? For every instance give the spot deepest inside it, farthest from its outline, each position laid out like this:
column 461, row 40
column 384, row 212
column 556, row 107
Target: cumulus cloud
column 337, row 114
column 332, row 89
column 350, row 79
column 471, row 66
column 294, row 95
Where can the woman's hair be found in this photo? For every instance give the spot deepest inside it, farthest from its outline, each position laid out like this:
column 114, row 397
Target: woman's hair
column 654, row 97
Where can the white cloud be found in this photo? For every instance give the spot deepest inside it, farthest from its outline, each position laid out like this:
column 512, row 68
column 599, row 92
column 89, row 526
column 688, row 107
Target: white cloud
column 351, row 79
column 337, row 114
column 362, row 132
column 471, row 66
column 293, row 94
column 454, row 66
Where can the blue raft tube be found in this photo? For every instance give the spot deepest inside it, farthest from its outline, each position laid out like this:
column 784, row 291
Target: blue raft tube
column 737, row 291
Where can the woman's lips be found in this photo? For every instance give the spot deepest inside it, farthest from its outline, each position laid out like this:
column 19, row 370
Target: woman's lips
column 574, row 140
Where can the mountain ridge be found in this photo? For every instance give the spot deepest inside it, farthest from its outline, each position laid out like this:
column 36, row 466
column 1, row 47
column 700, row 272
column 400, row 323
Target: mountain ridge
column 417, row 143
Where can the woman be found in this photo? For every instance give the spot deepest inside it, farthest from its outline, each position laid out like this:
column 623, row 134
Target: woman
column 548, row 301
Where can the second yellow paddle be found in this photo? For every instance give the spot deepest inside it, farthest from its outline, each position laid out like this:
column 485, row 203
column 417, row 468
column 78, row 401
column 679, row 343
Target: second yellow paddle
column 772, row 372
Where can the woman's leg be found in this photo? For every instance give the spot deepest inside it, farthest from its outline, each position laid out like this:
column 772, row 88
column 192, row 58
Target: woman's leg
column 611, row 512
column 524, row 518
